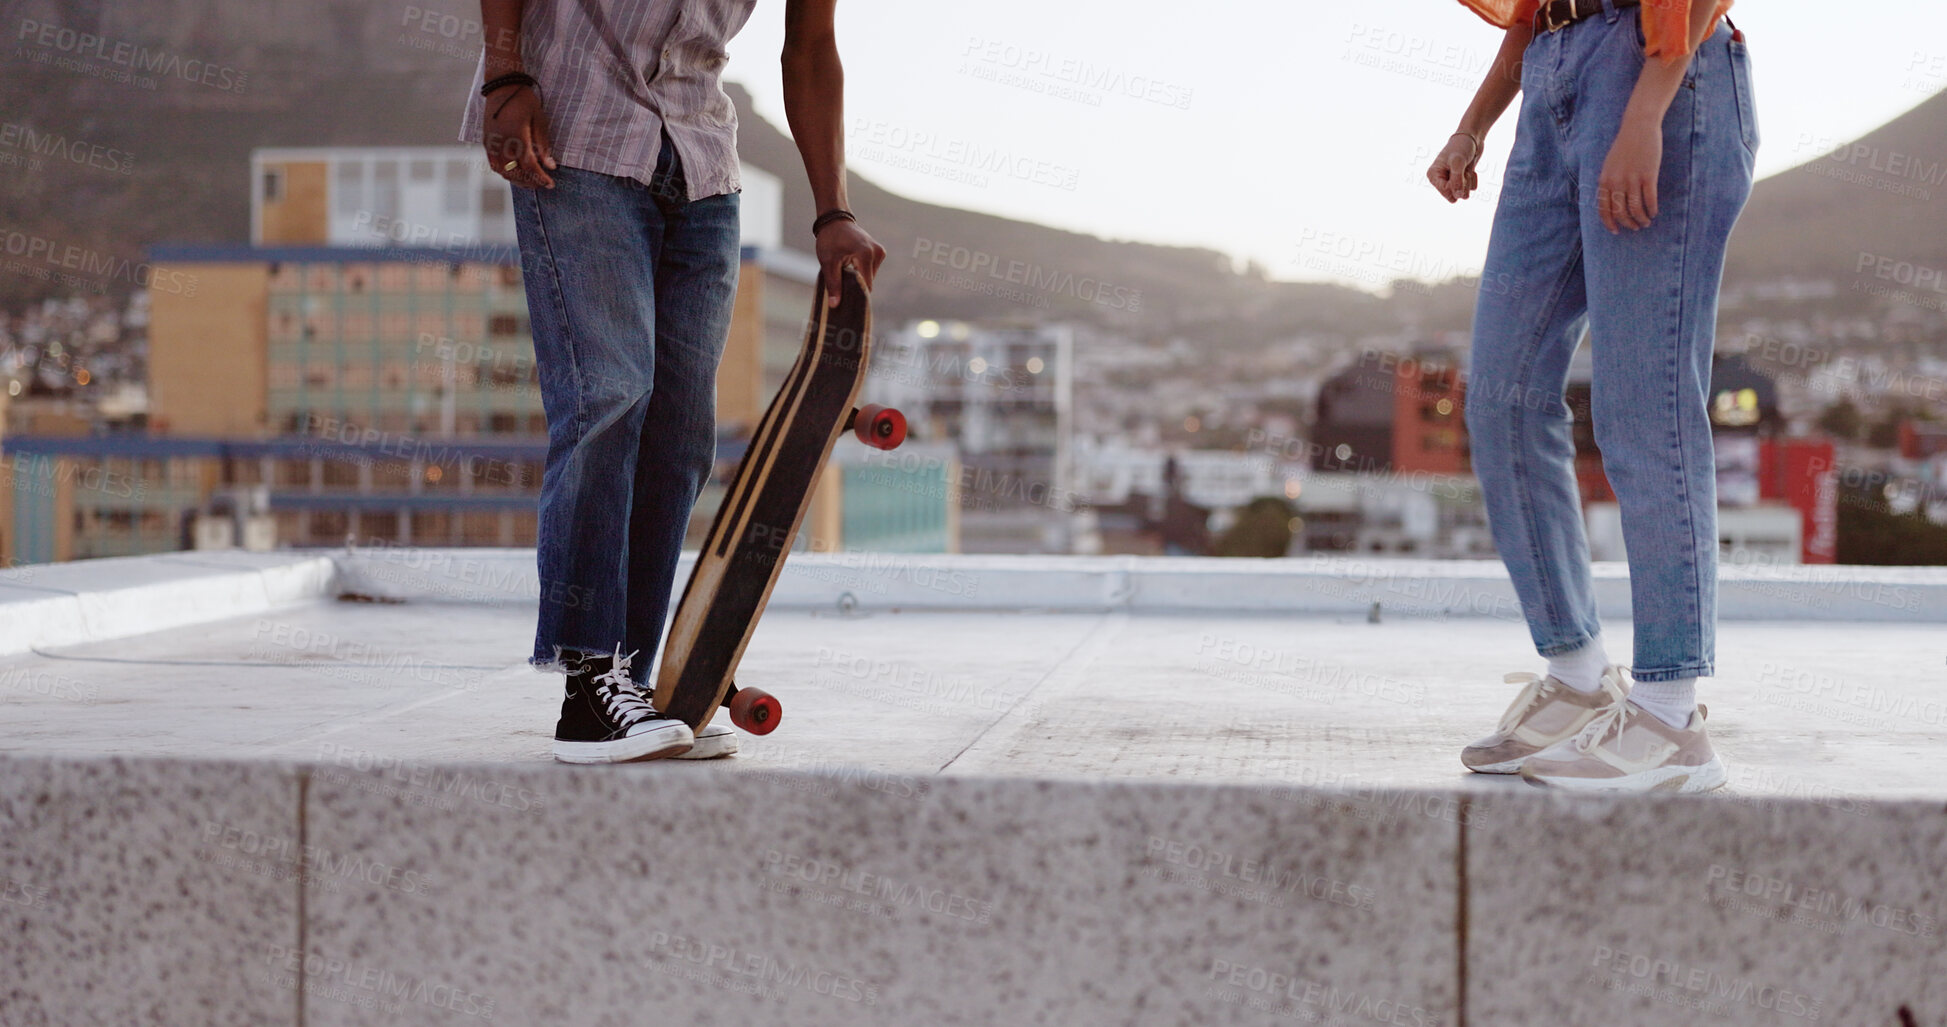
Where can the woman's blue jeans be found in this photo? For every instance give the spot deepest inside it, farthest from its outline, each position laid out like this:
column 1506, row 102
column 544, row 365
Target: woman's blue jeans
column 629, row 291
column 1649, row 299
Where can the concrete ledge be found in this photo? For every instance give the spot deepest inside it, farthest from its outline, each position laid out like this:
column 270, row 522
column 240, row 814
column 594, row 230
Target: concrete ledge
column 147, row 891
column 1340, row 585
column 96, row 600
column 566, row 897
column 1754, row 912
column 464, row 893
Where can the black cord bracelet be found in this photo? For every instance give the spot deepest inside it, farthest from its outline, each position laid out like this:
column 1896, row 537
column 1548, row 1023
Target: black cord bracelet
column 512, row 78
column 835, row 214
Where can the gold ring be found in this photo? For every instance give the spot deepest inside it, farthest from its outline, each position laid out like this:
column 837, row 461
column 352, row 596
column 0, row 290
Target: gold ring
column 510, row 165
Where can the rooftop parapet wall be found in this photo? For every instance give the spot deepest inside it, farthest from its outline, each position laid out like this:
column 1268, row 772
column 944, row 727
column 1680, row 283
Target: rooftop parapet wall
column 325, row 893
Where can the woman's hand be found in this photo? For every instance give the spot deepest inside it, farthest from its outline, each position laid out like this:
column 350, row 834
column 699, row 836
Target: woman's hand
column 1452, row 173
column 515, row 132
column 841, row 243
column 1625, row 195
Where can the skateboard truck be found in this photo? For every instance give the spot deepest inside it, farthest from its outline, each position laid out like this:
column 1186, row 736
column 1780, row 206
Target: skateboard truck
column 753, row 709
column 877, row 426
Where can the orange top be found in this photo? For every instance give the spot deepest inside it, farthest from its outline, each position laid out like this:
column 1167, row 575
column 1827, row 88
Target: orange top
column 1666, row 23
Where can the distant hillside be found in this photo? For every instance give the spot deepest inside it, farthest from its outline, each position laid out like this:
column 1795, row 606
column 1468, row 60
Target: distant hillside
column 356, row 72
column 1885, row 193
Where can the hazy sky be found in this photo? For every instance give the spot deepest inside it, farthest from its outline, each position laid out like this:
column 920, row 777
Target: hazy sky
column 1292, row 132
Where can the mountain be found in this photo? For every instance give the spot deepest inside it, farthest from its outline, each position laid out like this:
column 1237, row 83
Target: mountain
column 239, row 74
column 1884, row 194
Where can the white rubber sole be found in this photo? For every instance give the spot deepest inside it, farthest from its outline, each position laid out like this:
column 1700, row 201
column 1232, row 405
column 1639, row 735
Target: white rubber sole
column 711, row 747
column 660, row 743
column 1678, row 780
column 1506, row 767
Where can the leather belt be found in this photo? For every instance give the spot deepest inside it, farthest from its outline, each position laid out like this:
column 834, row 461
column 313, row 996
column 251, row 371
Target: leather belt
column 1556, row 14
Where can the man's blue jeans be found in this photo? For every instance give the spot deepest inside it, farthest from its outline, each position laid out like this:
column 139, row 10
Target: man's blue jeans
column 1649, row 298
column 629, row 292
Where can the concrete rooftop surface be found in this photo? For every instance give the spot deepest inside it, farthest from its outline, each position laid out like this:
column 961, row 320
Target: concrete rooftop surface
column 311, row 788
column 993, row 666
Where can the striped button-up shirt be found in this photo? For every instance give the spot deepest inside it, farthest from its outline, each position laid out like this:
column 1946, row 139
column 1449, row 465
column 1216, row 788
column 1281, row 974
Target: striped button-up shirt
column 615, row 74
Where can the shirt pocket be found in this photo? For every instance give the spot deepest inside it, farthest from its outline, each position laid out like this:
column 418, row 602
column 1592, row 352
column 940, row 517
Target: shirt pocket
column 694, row 51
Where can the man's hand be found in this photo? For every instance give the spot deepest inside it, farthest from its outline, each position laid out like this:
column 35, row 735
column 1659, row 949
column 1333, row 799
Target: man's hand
column 514, row 130
column 1452, row 172
column 1625, row 195
column 841, row 243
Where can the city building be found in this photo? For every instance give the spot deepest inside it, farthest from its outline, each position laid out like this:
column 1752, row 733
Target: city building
column 366, row 373
column 1003, row 395
column 1389, row 412
column 421, row 196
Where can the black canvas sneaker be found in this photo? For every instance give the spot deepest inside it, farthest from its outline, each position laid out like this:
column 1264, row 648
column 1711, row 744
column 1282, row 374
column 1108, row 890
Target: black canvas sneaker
column 605, row 718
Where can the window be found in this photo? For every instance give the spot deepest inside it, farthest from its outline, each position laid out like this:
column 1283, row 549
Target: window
column 493, row 199
column 348, row 187
column 420, row 170
column 503, row 324
column 385, row 189
column 453, row 192
column 273, row 185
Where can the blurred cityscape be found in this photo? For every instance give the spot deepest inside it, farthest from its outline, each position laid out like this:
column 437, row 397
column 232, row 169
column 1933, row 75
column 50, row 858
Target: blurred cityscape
column 359, row 372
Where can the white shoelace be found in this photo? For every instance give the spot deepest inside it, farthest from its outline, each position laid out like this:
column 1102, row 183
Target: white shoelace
column 1610, row 720
column 620, row 696
column 1536, row 689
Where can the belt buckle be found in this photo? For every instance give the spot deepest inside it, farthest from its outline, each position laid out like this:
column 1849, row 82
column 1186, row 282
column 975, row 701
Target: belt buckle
column 1547, row 12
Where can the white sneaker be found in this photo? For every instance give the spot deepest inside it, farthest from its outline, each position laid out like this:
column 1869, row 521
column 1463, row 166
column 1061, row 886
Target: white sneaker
column 1544, row 713
column 713, row 741
column 1629, row 749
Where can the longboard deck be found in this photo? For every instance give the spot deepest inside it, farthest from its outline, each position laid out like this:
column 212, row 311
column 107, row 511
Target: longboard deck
column 764, row 507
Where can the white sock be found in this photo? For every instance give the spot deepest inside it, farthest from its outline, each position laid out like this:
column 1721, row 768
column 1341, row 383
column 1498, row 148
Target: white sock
column 1671, row 701
column 1581, row 669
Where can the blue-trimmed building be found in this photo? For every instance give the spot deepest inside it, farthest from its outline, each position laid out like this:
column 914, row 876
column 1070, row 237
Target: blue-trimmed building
column 307, row 395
